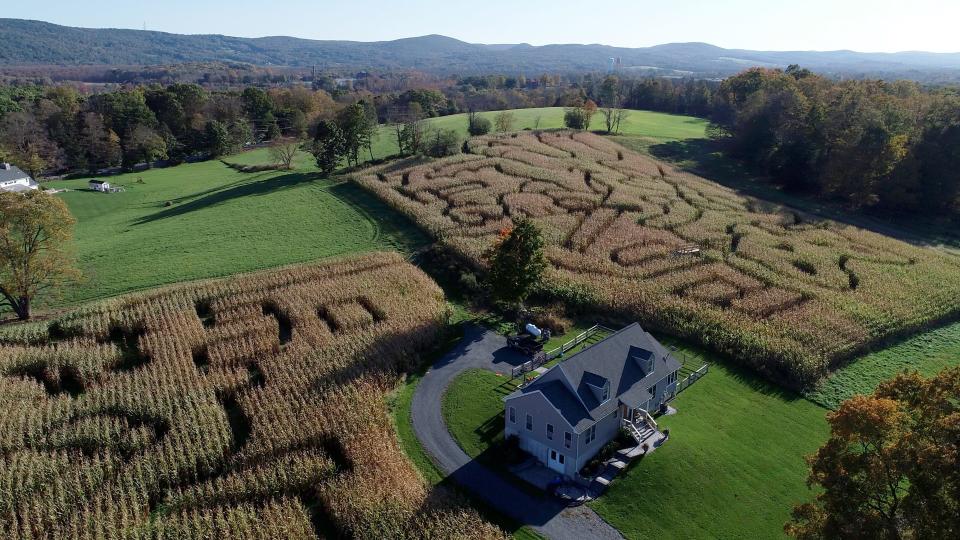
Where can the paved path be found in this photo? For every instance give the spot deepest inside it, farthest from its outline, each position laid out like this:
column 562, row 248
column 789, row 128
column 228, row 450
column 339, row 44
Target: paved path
column 481, row 348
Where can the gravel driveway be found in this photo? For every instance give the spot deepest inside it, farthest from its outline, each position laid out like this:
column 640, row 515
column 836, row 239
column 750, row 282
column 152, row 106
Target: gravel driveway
column 482, row 348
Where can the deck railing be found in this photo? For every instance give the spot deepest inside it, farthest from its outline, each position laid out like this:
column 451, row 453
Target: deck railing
column 692, row 378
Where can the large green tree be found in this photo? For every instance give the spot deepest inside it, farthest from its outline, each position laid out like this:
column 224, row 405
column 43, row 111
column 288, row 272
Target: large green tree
column 35, row 230
column 891, row 468
column 328, row 146
column 516, row 262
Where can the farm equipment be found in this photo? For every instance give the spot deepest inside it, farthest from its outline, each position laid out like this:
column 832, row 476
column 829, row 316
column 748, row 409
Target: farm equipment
column 530, row 341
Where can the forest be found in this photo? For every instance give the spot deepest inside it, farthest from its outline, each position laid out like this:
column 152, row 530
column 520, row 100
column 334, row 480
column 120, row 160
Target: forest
column 886, row 147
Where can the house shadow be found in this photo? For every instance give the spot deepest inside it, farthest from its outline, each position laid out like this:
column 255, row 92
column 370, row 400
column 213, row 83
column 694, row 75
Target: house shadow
column 234, row 191
column 524, row 505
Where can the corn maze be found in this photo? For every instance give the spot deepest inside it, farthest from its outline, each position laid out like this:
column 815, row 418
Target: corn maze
column 250, row 407
column 786, row 294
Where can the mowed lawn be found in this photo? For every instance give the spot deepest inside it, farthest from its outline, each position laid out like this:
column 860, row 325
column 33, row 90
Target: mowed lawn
column 927, row 353
column 655, row 126
column 219, row 222
column 733, row 467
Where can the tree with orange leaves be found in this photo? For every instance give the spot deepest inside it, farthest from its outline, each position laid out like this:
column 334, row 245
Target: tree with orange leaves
column 891, row 468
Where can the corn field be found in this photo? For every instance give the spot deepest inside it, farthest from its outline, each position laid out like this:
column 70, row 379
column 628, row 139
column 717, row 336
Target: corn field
column 784, row 293
column 250, row 407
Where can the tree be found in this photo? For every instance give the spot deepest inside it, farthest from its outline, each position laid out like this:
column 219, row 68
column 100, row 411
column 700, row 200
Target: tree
column 218, row 139
column 28, row 144
column 444, row 142
column 144, row 145
column 477, row 125
column 407, row 123
column 102, row 144
column 589, row 108
column 516, row 262
column 357, row 128
column 35, row 229
column 504, row 121
column 573, row 118
column 328, row 146
column 283, row 152
column 890, row 467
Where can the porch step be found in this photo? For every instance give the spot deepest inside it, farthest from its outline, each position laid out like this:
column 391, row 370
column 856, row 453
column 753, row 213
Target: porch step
column 617, row 464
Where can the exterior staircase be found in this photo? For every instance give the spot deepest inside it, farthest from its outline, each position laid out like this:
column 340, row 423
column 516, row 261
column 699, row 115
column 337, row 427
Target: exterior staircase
column 644, row 430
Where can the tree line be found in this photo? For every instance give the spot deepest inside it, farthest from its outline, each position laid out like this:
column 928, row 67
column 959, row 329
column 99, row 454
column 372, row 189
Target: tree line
column 889, row 146
column 57, row 129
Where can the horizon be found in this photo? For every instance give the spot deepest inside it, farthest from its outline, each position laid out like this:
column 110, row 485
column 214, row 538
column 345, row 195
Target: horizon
column 859, row 25
column 435, row 34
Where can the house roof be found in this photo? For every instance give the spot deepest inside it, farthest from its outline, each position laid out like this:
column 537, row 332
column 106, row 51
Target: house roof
column 13, row 173
column 620, row 360
column 98, row 181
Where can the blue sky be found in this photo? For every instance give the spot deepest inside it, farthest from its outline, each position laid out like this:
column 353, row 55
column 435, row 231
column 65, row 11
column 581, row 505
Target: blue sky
column 863, row 25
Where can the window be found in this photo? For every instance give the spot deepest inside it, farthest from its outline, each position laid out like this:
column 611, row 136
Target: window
column 652, row 390
column 567, row 439
column 513, row 415
column 672, row 378
column 549, row 432
column 606, row 393
column 529, row 423
column 561, row 459
column 591, row 434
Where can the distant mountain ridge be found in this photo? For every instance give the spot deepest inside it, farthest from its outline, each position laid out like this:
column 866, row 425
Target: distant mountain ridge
column 24, row 42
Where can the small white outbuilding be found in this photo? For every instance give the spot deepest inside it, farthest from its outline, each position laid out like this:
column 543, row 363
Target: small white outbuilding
column 100, row 185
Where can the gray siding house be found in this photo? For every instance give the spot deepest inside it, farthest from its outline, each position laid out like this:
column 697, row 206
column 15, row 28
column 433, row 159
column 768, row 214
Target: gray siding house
column 564, row 417
column 15, row 180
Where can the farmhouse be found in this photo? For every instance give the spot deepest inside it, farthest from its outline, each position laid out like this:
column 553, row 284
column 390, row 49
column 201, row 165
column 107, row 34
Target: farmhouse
column 100, row 185
column 569, row 413
column 15, row 180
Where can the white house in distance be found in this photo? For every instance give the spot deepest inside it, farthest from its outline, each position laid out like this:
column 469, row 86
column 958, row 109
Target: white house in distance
column 15, row 180
column 100, row 185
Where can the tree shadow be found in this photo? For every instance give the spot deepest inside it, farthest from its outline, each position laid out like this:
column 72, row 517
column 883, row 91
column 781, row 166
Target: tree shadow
column 250, row 189
column 706, row 158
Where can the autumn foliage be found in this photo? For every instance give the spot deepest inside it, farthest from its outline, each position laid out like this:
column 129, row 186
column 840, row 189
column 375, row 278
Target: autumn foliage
column 891, row 468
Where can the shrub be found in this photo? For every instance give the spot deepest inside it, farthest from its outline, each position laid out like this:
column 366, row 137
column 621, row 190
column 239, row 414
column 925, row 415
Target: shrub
column 573, row 118
column 478, row 125
column 445, row 142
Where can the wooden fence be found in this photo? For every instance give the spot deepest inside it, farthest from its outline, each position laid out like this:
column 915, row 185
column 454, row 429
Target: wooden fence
column 542, row 358
column 538, row 360
column 692, row 378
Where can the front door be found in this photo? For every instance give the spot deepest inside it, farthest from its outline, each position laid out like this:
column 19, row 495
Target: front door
column 556, row 461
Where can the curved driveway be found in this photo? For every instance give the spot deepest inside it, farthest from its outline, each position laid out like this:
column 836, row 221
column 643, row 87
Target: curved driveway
column 481, row 348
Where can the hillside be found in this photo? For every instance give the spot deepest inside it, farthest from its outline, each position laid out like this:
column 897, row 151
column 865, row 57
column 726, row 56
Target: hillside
column 24, row 42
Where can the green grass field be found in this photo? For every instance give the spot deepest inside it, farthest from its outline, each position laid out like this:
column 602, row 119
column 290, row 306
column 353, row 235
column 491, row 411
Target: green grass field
column 652, row 127
column 927, row 353
column 733, row 467
column 219, row 222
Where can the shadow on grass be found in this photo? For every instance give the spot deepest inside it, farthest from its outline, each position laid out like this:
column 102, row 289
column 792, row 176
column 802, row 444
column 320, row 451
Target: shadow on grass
column 399, row 231
column 705, row 157
column 231, row 192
